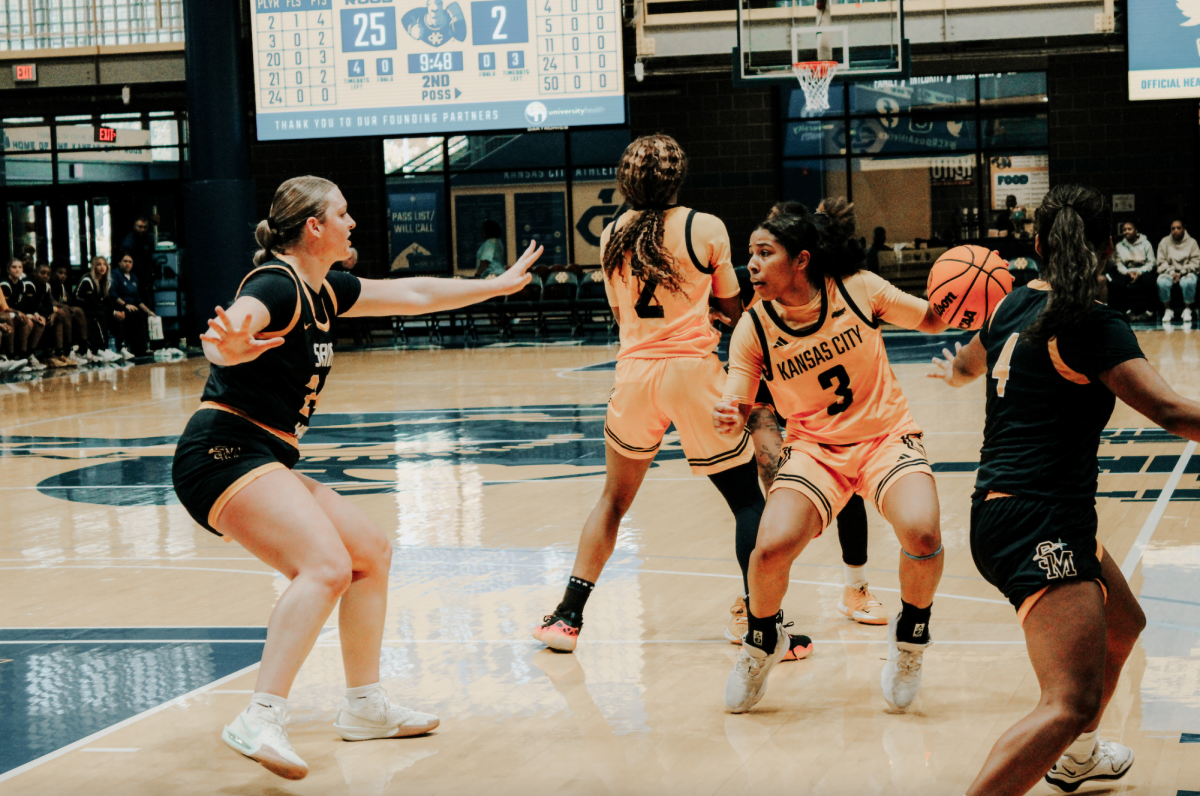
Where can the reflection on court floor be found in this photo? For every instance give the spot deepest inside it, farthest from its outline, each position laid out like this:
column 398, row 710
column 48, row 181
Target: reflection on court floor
column 132, row 634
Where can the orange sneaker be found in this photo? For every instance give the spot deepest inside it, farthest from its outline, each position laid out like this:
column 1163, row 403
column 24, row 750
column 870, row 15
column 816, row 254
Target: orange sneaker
column 558, row 633
column 861, row 606
column 799, row 648
column 738, row 620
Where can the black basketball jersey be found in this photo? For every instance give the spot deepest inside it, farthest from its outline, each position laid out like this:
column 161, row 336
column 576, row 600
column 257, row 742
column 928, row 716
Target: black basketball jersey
column 281, row 388
column 1046, row 405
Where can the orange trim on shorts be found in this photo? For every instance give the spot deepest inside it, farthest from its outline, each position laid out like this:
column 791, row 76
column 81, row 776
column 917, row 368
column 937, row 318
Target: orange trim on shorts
column 237, row 486
column 1032, row 599
column 994, row 495
column 290, row 439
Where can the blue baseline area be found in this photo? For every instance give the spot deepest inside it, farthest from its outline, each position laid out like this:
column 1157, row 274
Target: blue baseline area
column 60, row 685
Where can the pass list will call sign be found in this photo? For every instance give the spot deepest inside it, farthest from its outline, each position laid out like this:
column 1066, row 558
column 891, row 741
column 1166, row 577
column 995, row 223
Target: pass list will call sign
column 331, row 68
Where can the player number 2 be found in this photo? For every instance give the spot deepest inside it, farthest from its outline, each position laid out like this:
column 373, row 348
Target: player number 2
column 1000, row 372
column 837, row 374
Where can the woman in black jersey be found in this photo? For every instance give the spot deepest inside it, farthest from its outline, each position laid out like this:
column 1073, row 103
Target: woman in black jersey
column 271, row 354
column 1056, row 362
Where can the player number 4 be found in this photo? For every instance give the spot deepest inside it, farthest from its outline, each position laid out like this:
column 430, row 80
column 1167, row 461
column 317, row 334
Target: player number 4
column 1000, row 372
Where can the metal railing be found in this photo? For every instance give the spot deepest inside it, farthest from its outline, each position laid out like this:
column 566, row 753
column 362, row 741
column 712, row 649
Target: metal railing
column 67, row 24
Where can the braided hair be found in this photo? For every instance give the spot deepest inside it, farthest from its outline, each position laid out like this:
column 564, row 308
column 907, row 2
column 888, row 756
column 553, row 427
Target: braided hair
column 649, row 176
column 295, row 202
column 828, row 236
column 1072, row 230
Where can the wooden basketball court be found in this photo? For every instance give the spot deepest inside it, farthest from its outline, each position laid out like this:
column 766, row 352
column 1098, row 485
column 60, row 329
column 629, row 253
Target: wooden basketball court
column 129, row 636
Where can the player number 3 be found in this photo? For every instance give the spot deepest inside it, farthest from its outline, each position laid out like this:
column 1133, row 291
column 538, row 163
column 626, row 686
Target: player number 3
column 837, row 374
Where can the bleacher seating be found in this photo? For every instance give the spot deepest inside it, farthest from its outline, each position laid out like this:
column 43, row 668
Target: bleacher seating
column 563, row 299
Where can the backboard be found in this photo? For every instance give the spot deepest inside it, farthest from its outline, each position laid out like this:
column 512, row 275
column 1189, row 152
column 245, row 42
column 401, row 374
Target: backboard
column 866, row 38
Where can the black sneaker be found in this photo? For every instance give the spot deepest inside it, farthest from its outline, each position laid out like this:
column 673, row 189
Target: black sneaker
column 799, row 647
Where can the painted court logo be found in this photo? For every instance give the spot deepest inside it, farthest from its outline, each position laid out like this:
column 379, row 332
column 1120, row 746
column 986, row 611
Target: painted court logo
column 1056, row 560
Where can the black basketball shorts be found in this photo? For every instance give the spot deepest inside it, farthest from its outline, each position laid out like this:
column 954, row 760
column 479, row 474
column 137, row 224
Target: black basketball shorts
column 1024, row 546
column 217, row 456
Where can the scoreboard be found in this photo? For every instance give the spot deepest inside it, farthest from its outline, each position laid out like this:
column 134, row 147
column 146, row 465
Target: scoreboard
column 328, row 68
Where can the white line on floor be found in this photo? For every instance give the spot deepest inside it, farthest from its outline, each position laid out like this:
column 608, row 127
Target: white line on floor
column 1156, row 514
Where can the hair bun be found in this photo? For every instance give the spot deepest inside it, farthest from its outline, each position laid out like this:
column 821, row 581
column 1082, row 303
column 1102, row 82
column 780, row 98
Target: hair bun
column 265, row 235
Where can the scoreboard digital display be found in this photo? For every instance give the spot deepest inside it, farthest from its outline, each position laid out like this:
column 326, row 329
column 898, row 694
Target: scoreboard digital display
column 330, row 68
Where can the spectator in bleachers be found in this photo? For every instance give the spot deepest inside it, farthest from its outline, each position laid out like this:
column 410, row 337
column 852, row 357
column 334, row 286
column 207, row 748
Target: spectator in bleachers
column 878, row 244
column 20, row 295
column 58, row 319
column 1178, row 262
column 8, row 327
column 489, row 258
column 60, row 295
column 1131, row 285
column 92, row 295
column 130, row 310
column 139, row 243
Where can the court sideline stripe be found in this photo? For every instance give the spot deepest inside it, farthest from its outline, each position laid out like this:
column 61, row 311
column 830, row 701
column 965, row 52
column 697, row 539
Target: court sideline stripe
column 1156, row 514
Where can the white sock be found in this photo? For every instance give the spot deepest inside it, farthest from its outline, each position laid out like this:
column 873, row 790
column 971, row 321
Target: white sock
column 855, row 577
column 1083, row 747
column 268, row 700
column 360, row 691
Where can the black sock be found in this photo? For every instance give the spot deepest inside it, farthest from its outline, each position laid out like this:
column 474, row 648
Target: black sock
column 763, row 633
column 913, row 625
column 739, row 486
column 574, row 598
column 852, row 532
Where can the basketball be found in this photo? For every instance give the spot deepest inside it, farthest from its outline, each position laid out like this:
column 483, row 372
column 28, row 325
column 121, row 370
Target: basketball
column 965, row 285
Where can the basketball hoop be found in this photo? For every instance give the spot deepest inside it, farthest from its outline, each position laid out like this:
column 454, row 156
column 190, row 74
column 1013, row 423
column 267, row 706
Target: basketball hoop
column 814, row 77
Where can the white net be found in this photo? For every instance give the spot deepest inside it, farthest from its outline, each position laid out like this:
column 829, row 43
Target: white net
column 814, row 77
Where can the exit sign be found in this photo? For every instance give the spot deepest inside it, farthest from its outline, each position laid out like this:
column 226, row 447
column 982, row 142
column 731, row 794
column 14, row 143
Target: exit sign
column 106, row 135
column 25, row 73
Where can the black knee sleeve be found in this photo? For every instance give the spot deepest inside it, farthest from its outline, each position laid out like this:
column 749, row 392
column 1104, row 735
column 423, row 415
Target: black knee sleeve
column 739, row 486
column 852, row 532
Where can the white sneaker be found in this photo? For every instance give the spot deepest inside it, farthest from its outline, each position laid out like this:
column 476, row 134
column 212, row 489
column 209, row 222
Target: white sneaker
column 1168, row 316
column 1111, row 760
column 125, row 353
column 34, row 364
column 74, row 357
column 374, row 716
column 258, row 733
column 1186, row 317
column 901, row 677
column 747, row 682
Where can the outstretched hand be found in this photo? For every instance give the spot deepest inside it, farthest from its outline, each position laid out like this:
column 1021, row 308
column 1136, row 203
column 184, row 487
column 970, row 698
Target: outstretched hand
column 236, row 345
column 944, row 368
column 518, row 276
column 727, row 417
